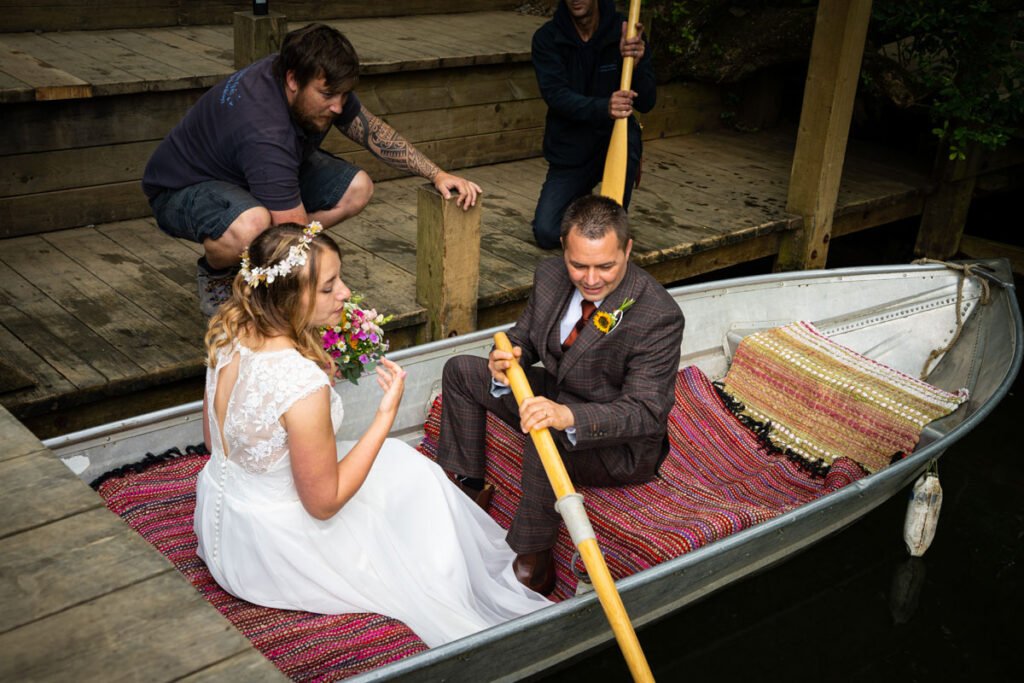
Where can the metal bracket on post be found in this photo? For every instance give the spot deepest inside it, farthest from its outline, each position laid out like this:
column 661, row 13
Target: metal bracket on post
column 257, row 36
column 447, row 264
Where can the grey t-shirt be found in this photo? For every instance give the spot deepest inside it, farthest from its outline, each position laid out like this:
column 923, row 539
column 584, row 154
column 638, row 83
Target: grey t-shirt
column 240, row 131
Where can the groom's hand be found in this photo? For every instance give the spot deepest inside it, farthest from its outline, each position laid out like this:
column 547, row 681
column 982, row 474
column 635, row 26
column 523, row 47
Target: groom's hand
column 500, row 361
column 540, row 412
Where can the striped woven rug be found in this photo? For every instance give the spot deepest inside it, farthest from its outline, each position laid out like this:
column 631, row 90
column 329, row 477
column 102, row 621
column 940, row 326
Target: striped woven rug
column 820, row 400
column 718, row 479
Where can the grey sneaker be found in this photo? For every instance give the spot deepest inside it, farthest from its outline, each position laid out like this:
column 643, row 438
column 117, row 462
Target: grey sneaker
column 214, row 286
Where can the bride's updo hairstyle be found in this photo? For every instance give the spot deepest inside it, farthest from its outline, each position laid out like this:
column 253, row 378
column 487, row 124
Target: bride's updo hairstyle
column 281, row 305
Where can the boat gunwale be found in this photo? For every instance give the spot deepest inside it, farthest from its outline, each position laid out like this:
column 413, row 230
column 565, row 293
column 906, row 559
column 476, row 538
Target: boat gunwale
column 188, row 410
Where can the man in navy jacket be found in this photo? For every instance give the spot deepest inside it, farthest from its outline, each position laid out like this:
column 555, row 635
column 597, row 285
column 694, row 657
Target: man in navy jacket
column 578, row 60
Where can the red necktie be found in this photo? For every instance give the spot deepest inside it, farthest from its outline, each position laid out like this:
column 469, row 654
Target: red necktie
column 588, row 310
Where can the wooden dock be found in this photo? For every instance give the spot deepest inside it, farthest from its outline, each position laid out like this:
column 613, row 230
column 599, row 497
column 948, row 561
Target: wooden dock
column 102, row 311
column 83, row 594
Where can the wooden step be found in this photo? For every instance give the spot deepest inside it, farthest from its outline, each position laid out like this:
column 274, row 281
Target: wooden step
column 95, row 104
column 27, row 15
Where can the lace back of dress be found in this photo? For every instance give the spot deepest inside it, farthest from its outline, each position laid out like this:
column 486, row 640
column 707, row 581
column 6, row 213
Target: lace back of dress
column 268, row 384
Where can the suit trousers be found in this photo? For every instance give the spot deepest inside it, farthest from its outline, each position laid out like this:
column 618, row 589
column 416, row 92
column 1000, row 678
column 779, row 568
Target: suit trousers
column 467, row 398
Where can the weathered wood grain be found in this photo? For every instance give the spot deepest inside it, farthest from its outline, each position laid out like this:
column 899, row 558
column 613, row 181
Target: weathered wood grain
column 71, row 61
column 68, row 562
column 18, row 440
column 48, row 211
column 173, row 258
column 101, row 639
column 249, row 666
column 24, row 504
column 114, row 315
column 38, row 378
column 447, row 263
column 47, row 81
column 108, row 47
column 410, row 92
column 123, row 271
column 69, row 169
column 76, row 352
column 64, row 15
column 111, row 120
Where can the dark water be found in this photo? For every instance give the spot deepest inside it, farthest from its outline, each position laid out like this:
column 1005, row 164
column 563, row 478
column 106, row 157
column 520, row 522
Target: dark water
column 842, row 611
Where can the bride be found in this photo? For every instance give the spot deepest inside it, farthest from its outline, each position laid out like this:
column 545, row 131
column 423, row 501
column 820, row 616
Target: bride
column 288, row 518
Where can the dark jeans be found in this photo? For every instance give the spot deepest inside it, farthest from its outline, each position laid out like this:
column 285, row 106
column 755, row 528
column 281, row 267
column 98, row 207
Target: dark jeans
column 565, row 184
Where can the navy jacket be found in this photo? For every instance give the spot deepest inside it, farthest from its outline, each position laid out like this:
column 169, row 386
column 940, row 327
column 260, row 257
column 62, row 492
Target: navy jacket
column 576, row 80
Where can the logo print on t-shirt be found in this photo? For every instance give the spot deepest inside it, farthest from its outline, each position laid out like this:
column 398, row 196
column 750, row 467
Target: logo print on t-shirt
column 230, row 95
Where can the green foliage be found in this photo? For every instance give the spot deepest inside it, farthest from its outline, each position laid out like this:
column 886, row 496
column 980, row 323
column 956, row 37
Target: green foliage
column 678, row 25
column 964, row 62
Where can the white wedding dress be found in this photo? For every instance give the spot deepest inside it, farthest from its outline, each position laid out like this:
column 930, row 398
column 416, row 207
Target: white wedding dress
column 409, row 544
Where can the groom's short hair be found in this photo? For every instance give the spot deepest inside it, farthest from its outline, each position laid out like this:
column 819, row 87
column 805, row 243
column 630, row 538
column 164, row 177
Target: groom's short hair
column 594, row 215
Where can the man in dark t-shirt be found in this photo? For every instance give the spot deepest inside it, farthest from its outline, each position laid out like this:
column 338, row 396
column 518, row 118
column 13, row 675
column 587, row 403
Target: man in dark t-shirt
column 247, row 155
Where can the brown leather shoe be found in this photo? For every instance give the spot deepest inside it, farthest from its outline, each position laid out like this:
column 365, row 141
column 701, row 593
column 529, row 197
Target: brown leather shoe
column 536, row 571
column 481, row 497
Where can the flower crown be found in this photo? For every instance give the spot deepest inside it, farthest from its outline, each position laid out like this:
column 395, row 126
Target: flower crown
column 296, row 259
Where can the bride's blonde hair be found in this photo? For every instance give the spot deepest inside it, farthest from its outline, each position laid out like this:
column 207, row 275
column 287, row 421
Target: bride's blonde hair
column 282, row 307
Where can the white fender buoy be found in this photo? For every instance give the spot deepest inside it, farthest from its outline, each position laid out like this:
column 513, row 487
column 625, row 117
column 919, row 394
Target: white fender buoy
column 922, row 514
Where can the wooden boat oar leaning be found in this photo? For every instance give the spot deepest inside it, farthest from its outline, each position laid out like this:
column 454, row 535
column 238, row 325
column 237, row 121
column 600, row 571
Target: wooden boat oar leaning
column 570, row 505
column 613, row 183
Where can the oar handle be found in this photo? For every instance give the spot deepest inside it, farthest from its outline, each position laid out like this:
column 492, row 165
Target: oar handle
column 613, row 181
column 542, row 438
column 627, row 62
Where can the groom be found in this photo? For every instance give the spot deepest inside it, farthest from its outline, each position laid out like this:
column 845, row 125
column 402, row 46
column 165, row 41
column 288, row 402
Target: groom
column 607, row 337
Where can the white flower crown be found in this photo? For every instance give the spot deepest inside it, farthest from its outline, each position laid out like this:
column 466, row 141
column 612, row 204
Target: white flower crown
column 296, row 259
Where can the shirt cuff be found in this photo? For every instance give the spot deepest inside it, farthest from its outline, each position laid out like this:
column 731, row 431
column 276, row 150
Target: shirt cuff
column 570, row 433
column 498, row 389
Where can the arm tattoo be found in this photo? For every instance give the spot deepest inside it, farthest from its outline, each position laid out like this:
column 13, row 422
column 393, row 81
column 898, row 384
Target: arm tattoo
column 386, row 144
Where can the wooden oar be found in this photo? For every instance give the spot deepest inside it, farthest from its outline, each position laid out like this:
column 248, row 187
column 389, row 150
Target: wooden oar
column 570, row 505
column 613, row 183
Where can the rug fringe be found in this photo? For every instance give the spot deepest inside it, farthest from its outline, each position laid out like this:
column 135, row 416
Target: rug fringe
column 151, row 460
column 762, row 431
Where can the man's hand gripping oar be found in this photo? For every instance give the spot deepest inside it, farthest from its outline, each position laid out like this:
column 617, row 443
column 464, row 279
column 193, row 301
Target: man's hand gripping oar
column 570, row 505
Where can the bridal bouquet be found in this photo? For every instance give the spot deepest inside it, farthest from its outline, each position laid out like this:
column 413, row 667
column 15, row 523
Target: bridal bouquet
column 357, row 342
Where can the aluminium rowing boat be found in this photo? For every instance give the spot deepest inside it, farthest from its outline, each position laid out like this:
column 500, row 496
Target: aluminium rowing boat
column 896, row 314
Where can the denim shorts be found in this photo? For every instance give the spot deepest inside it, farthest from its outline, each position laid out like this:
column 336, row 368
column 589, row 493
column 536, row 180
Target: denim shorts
column 205, row 210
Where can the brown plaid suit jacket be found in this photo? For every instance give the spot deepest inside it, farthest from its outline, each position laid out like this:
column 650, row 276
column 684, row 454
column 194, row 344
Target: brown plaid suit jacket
column 620, row 387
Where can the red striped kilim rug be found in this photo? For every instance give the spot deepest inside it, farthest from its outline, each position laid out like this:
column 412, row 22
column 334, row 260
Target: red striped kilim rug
column 717, row 479
column 826, row 401
column 158, row 503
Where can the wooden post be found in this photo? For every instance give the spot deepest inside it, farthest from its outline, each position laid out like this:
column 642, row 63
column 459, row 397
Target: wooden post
column 447, row 264
column 945, row 210
column 257, row 36
column 836, row 52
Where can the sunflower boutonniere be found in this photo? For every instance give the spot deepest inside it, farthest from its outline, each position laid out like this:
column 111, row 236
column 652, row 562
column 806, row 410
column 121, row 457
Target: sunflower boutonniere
column 606, row 322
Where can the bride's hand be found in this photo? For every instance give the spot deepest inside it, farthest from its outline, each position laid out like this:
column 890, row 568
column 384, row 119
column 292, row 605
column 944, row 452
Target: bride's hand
column 391, row 379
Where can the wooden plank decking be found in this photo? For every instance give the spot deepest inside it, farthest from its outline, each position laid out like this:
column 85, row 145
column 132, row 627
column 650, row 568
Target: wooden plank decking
column 82, row 593
column 101, row 311
column 80, row 64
